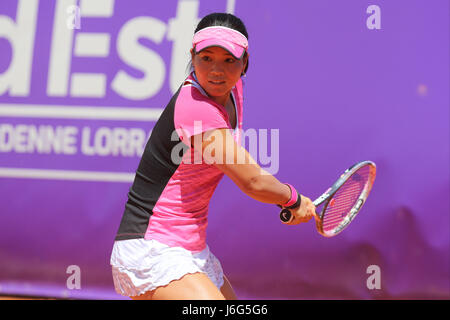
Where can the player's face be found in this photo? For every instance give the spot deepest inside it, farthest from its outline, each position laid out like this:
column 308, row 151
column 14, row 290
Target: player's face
column 217, row 72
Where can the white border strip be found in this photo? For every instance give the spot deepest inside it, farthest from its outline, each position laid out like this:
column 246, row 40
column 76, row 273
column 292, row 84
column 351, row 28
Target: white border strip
column 79, row 112
column 98, row 176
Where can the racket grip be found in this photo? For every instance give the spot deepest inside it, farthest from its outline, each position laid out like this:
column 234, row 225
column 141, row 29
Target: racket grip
column 286, row 216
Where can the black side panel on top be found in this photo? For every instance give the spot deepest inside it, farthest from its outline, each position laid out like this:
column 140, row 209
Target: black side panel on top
column 154, row 171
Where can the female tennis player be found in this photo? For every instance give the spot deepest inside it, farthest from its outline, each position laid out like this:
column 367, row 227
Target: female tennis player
column 160, row 250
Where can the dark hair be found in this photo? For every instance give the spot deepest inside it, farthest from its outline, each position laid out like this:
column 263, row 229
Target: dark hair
column 223, row 20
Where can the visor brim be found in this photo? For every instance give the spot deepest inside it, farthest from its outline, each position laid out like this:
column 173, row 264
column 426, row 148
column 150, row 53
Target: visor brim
column 234, row 49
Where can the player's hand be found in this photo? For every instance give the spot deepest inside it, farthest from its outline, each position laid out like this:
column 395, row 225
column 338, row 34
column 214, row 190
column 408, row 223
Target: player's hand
column 304, row 213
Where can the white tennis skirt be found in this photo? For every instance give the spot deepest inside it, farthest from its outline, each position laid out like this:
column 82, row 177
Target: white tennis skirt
column 140, row 265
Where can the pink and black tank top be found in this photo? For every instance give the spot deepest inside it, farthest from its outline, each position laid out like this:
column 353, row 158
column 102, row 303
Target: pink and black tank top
column 169, row 200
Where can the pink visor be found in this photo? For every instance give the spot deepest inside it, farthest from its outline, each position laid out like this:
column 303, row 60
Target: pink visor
column 231, row 40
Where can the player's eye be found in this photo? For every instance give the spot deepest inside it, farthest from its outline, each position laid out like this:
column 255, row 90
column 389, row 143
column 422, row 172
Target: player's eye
column 230, row 60
column 206, row 58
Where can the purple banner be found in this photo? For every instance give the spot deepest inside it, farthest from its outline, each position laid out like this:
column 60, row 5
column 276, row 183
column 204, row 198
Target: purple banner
column 330, row 83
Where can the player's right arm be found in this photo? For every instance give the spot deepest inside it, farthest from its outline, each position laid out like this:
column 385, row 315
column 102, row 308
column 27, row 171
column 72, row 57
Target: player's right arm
column 219, row 148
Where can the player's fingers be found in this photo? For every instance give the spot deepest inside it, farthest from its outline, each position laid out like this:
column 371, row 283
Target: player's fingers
column 304, row 218
column 311, row 210
column 316, row 216
column 294, row 221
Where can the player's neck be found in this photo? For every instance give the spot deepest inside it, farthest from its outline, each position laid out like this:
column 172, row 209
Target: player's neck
column 222, row 100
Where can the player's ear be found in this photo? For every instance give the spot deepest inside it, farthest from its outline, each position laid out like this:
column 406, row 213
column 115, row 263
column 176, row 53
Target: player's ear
column 192, row 64
column 245, row 60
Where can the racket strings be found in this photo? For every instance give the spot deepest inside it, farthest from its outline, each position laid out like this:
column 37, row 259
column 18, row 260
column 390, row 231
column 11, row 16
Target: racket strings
column 345, row 198
column 343, row 203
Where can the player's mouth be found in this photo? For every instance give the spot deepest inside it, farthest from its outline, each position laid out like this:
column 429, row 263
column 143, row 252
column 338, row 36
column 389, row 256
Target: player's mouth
column 216, row 82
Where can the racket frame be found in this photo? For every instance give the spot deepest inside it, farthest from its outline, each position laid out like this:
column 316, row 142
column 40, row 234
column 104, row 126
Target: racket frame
column 326, row 197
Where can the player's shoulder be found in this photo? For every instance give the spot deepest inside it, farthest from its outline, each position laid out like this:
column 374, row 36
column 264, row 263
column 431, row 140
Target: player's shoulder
column 192, row 87
column 192, row 97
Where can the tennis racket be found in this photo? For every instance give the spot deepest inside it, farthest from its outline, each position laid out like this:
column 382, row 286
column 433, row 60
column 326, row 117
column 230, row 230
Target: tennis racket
column 343, row 200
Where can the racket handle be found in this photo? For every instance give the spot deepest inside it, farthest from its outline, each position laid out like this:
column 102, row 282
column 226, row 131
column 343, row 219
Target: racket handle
column 286, row 216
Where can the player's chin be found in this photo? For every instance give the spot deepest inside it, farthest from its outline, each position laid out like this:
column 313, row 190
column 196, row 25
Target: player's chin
column 217, row 92
column 218, row 89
